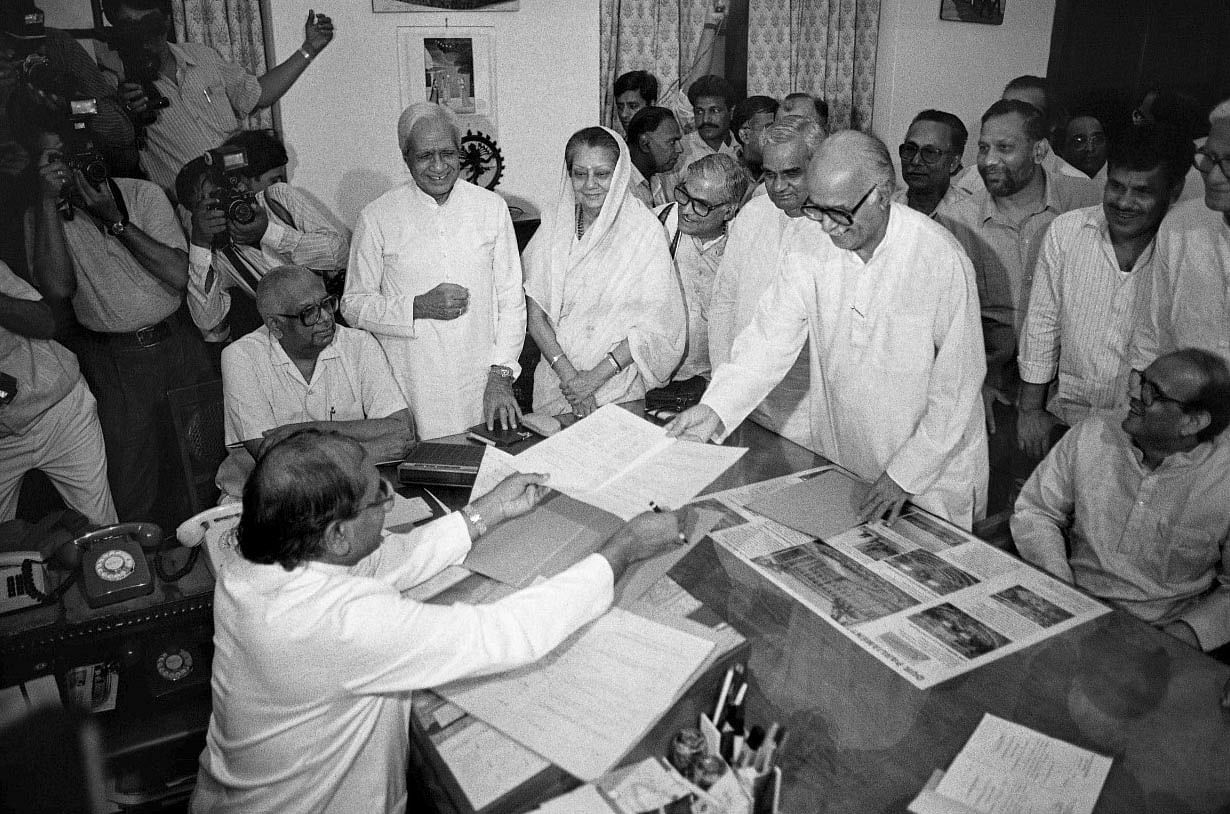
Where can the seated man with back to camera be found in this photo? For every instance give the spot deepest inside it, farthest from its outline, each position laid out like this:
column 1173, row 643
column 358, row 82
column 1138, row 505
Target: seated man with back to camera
column 1136, row 510
column 300, row 370
column 228, row 256
column 706, row 200
column 317, row 651
column 435, row 275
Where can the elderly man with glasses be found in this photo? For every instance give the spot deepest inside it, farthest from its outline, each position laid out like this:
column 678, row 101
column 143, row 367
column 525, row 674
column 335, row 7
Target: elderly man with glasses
column 301, row 369
column 930, row 160
column 887, row 299
column 1134, row 509
column 1189, row 295
column 317, row 651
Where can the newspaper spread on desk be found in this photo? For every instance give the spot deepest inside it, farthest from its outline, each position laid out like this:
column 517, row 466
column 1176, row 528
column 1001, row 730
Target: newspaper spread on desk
column 922, row 596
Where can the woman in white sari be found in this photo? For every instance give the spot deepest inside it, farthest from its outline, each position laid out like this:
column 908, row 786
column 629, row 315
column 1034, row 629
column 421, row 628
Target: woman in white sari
column 604, row 304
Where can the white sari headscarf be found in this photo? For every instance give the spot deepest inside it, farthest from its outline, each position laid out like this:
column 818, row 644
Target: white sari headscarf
column 617, row 282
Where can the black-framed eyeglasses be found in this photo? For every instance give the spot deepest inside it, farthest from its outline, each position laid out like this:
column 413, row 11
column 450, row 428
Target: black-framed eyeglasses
column 931, row 156
column 1148, row 390
column 1094, row 139
column 1205, row 161
column 842, row 217
column 701, row 207
column 311, row 314
column 384, row 499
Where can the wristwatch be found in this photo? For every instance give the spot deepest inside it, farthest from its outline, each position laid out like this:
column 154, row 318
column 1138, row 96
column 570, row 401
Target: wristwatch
column 502, row 371
column 116, row 229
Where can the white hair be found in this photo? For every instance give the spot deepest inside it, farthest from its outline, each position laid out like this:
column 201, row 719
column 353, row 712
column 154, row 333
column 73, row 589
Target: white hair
column 419, row 111
column 1221, row 112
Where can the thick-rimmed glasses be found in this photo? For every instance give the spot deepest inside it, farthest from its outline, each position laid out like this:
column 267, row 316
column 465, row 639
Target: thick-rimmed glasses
column 384, row 498
column 931, row 156
column 311, row 314
column 1205, row 161
column 1091, row 139
column 842, row 217
column 1149, row 392
column 702, row 208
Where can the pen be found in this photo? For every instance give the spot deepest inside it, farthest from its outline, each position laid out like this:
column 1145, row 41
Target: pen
column 721, row 703
column 208, row 98
column 765, row 753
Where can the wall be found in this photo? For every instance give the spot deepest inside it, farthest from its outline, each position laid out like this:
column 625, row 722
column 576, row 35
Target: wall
column 340, row 118
column 924, row 62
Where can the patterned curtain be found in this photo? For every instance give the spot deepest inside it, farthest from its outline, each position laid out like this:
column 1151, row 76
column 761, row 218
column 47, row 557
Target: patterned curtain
column 658, row 36
column 823, row 47
column 232, row 28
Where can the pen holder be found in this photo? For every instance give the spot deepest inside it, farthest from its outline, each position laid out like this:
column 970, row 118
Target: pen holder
column 740, row 788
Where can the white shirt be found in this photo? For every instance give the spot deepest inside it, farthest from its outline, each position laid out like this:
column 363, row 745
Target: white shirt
column 748, row 268
column 1082, row 311
column 263, row 389
column 405, row 244
column 896, row 359
column 1189, row 293
column 696, row 263
column 313, row 667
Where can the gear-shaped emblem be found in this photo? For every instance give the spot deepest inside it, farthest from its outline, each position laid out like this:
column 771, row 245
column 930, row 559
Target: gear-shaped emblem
column 481, row 160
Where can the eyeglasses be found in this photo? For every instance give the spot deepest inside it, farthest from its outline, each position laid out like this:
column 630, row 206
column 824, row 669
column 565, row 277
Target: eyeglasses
column 701, row 208
column 1149, row 391
column 384, row 499
column 842, row 217
column 312, row 314
column 930, row 155
column 1205, row 161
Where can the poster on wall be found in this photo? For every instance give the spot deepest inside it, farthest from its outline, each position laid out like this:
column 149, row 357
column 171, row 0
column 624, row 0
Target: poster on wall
column 446, row 5
column 454, row 66
column 988, row 12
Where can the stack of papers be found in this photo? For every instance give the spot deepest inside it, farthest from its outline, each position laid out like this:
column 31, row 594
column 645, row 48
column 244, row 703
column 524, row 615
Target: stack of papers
column 1006, row 768
column 592, row 699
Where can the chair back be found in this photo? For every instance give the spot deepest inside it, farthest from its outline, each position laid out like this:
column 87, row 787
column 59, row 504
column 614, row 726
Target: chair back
column 197, row 417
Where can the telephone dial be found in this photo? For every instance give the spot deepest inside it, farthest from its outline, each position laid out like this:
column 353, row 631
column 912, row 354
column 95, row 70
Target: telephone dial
column 109, row 563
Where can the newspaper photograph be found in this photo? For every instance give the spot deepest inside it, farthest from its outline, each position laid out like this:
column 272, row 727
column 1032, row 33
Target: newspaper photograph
column 927, row 599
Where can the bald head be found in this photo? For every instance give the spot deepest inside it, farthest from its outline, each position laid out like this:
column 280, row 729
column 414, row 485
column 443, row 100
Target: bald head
column 857, row 154
column 284, row 286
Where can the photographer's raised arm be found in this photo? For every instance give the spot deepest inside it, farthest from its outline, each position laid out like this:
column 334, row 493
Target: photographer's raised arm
column 52, row 265
column 317, row 33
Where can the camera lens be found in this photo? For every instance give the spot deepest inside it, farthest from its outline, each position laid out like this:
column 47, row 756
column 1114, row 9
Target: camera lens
column 95, row 172
column 241, row 212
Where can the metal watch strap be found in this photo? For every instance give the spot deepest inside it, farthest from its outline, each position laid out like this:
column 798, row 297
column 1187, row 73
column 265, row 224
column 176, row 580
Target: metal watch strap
column 476, row 519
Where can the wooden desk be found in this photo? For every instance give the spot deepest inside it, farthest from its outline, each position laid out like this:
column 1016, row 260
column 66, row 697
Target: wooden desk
column 863, row 739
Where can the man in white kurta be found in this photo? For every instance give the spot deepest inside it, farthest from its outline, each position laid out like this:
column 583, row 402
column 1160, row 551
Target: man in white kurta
column 434, row 274
column 888, row 301
column 317, row 652
column 750, row 264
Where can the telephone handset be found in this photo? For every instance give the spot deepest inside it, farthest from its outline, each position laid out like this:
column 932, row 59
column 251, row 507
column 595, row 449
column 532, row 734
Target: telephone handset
column 110, row 561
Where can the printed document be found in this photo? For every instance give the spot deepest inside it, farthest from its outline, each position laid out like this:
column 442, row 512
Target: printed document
column 592, row 699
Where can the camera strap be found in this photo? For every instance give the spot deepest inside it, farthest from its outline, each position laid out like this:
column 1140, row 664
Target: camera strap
column 119, row 199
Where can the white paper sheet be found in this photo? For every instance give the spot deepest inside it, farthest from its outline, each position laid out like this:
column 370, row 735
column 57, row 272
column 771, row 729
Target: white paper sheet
column 1006, row 768
column 669, row 479
column 594, row 451
column 406, row 511
column 486, row 764
column 496, row 466
column 585, row 800
column 585, row 705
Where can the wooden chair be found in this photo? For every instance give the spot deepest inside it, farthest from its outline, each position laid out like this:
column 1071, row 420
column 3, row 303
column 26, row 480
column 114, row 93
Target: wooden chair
column 197, row 416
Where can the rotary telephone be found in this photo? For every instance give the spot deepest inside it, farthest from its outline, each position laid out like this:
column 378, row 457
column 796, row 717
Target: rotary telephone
column 109, row 563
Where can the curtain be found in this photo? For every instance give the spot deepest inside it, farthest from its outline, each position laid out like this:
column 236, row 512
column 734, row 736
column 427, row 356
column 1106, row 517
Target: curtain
column 658, row 36
column 823, row 47
column 232, row 28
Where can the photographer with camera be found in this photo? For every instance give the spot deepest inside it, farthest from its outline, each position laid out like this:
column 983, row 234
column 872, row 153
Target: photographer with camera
column 122, row 262
column 203, row 95
column 278, row 225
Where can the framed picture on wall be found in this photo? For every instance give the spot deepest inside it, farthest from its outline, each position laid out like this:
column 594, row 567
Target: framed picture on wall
column 452, row 65
column 988, row 12
column 445, row 5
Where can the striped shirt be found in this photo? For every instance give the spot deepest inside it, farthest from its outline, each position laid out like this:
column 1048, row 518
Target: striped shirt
column 207, row 96
column 1082, row 312
column 307, row 239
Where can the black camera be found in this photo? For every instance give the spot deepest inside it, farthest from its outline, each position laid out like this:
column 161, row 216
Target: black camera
column 231, row 193
column 79, row 153
column 142, row 64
